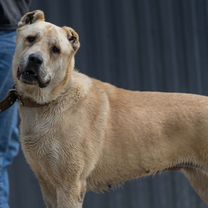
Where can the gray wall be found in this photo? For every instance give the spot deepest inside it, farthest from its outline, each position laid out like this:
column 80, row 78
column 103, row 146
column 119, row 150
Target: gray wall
column 159, row 45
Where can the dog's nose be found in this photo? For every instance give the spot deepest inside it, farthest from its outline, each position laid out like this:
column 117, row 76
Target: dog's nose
column 35, row 59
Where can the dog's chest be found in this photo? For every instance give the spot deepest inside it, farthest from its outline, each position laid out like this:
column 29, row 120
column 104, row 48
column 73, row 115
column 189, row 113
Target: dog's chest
column 42, row 151
column 51, row 142
column 38, row 137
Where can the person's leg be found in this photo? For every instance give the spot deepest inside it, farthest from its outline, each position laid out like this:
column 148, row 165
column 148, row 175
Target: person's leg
column 9, row 143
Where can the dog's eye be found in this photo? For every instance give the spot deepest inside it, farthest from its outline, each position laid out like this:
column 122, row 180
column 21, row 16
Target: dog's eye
column 55, row 49
column 30, row 38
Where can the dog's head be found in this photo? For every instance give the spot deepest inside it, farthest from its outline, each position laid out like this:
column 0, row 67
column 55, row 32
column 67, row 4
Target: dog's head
column 44, row 57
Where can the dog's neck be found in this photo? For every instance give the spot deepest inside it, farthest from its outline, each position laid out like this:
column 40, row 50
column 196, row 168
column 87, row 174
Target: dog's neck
column 77, row 88
column 27, row 102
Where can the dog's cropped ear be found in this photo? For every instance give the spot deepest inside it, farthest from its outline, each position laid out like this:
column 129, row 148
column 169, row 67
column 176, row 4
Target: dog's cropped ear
column 73, row 38
column 31, row 17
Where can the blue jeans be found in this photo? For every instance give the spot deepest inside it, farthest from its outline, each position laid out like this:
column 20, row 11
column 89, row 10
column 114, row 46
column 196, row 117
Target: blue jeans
column 9, row 141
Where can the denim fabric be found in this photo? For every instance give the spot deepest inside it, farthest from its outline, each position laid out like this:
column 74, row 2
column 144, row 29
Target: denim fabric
column 9, row 141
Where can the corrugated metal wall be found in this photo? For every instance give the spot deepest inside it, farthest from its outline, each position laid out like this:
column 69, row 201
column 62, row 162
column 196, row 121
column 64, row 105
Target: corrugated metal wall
column 135, row 44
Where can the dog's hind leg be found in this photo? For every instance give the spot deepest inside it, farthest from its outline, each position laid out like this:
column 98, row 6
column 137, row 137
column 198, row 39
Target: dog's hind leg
column 199, row 181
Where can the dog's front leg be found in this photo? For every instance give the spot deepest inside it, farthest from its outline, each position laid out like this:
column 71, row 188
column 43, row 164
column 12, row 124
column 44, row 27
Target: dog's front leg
column 48, row 193
column 71, row 195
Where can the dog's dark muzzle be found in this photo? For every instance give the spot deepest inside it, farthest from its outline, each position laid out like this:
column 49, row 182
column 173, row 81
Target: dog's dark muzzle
column 32, row 73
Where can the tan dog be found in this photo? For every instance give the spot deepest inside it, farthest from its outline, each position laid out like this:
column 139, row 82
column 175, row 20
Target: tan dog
column 80, row 134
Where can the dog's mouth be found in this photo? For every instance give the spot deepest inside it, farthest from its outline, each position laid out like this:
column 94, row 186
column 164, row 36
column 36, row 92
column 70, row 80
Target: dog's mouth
column 31, row 76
